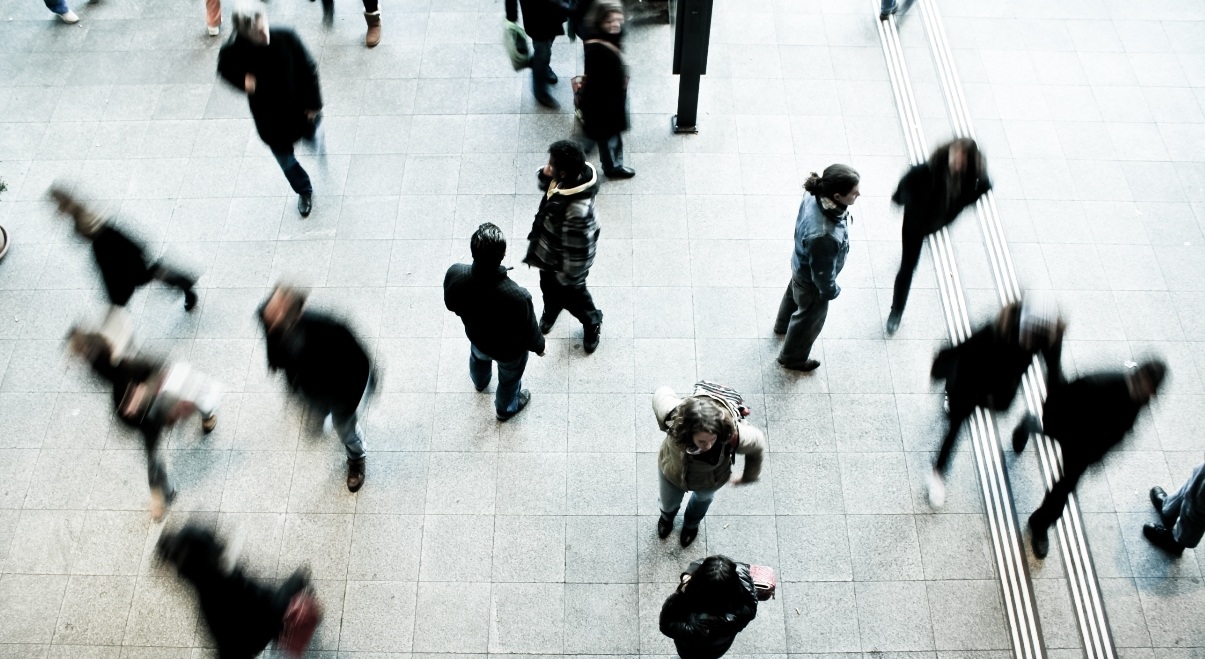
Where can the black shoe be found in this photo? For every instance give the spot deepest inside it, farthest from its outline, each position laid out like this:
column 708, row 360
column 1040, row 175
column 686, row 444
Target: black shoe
column 552, row 79
column 1041, row 540
column 548, row 101
column 621, row 173
column 480, row 389
column 807, row 367
column 1163, row 539
column 305, row 204
column 688, row 536
column 547, row 320
column 664, row 527
column 355, row 474
column 190, row 300
column 893, row 322
column 593, row 334
column 1028, row 426
column 1158, row 498
column 524, row 399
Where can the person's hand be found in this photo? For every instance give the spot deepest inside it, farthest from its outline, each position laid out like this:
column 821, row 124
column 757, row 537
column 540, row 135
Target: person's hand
column 311, row 114
column 249, row 83
column 737, row 480
column 540, row 353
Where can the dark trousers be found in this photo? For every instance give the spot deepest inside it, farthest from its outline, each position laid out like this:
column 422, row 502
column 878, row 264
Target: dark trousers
column 574, row 298
column 328, row 7
column 299, row 180
column 610, row 151
column 903, row 279
column 510, row 378
column 801, row 316
column 1051, row 509
column 541, row 70
column 959, row 412
column 172, row 277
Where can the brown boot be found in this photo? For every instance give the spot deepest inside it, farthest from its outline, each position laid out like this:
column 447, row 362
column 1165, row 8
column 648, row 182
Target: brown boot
column 373, row 37
column 355, row 474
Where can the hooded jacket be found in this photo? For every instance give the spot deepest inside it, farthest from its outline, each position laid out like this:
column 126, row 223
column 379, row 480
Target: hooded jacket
column 821, row 245
column 564, row 234
column 702, row 634
column 286, row 84
column 498, row 314
column 322, row 360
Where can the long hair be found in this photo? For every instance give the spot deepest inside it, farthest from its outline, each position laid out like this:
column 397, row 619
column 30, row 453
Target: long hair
column 714, row 586
column 838, row 179
column 598, row 13
column 701, row 414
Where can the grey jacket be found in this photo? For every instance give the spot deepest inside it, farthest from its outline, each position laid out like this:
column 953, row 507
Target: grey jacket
column 821, row 244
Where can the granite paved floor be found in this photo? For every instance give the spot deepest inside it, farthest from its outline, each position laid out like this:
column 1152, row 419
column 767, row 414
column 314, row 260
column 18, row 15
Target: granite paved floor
column 537, row 536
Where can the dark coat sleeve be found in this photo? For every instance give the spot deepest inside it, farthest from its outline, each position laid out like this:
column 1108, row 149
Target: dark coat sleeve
column 823, row 259
column 681, row 624
column 309, row 93
column 232, row 65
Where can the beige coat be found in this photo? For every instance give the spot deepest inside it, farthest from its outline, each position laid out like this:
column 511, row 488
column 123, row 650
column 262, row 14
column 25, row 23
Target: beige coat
column 690, row 474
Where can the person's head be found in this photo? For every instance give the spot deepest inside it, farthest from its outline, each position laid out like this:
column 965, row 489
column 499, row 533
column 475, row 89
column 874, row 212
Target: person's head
column 86, row 345
column 488, row 245
column 282, row 308
column 566, row 161
column 701, row 422
column 195, row 551
column 959, row 157
column 839, row 184
column 1035, row 319
column 606, row 17
column 250, row 21
column 1144, row 379
column 87, row 223
column 715, row 585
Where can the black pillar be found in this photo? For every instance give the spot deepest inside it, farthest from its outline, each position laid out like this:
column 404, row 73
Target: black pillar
column 692, row 32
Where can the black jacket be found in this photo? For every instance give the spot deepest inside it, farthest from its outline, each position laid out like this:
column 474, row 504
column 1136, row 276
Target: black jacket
column 124, row 376
column 986, row 369
column 543, row 20
column 604, row 98
column 1090, row 415
column 922, row 193
column 498, row 314
column 122, row 264
column 708, row 634
column 322, row 360
column 286, row 84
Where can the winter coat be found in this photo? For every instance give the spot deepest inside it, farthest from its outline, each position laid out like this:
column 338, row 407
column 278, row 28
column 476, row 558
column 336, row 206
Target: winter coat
column 1090, row 415
column 123, row 377
column 986, row 369
column 697, row 472
column 701, row 634
column 543, row 20
column 322, row 360
column 498, row 314
column 286, row 84
column 564, row 235
column 122, row 263
column 821, row 245
column 922, row 193
column 603, row 100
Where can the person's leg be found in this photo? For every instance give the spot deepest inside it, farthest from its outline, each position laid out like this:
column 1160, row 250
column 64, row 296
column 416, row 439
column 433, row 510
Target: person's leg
column 480, row 368
column 696, row 508
column 1190, row 509
column 372, row 16
column 213, row 15
column 510, row 383
column 1056, row 499
column 298, row 179
column 577, row 301
column 328, row 12
column 959, row 413
column 805, row 325
column 903, row 279
column 347, row 426
column 178, row 279
column 541, row 57
column 551, row 291
column 59, row 7
column 671, row 498
column 786, row 308
column 886, row 8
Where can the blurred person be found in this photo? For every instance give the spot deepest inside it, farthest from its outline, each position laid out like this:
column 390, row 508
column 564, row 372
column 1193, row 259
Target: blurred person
column 243, row 615
column 933, row 193
column 564, row 239
column 543, row 21
column 150, row 396
column 62, row 10
column 890, row 7
column 603, row 100
column 712, row 604
column 498, row 317
column 372, row 15
column 821, row 244
column 703, row 435
column 1088, row 417
column 213, row 17
column 986, row 369
column 1182, row 515
column 325, row 364
column 122, row 262
column 275, row 70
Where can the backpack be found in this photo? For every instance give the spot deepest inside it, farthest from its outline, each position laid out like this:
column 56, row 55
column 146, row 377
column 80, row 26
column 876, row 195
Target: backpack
column 729, row 397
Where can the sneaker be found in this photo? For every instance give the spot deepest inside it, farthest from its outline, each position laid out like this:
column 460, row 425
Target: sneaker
column 937, row 489
column 524, row 399
column 214, row 30
column 70, row 17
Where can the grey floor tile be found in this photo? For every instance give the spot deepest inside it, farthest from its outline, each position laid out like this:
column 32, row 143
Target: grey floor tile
column 452, row 617
column 528, row 618
column 884, row 548
column 379, row 616
column 894, row 615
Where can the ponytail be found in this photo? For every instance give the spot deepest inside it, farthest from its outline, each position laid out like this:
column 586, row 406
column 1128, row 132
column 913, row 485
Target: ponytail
column 837, row 180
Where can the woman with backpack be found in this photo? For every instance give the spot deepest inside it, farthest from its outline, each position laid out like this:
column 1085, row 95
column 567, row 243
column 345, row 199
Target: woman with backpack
column 603, row 97
column 703, row 435
column 710, row 607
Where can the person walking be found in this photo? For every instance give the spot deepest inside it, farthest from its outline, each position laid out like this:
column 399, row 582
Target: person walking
column 703, row 435
column 325, row 364
column 603, row 100
column 1182, row 515
column 933, row 194
column 62, row 10
column 544, row 21
column 372, row 15
column 821, row 244
column 713, row 603
column 122, row 262
column 986, row 370
column 213, row 17
column 564, row 239
column 1087, row 417
column 498, row 317
column 275, row 70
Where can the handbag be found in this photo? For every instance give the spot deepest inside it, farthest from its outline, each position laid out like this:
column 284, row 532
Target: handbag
column 515, row 40
column 764, row 580
column 301, row 620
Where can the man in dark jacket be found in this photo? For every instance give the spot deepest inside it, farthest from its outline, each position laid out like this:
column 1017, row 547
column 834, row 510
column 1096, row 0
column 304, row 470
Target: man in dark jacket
column 1087, row 417
column 564, row 238
column 986, row 369
column 122, row 261
column 604, row 101
column 325, row 364
column 280, row 79
column 498, row 319
column 544, row 21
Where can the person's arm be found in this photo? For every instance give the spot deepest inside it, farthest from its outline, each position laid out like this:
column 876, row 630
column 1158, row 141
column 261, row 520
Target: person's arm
column 512, row 11
column 448, row 290
column 679, row 623
column 1052, row 355
column 903, row 191
column 307, row 77
column 751, row 443
column 536, row 341
column 822, row 253
column 231, row 65
column 664, row 402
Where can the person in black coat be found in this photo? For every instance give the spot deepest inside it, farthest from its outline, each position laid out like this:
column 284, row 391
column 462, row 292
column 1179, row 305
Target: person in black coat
column 499, row 319
column 603, row 99
column 544, row 21
column 933, row 193
column 121, row 260
column 325, row 364
column 1087, row 417
column 242, row 615
column 280, row 79
column 986, row 369
column 710, row 607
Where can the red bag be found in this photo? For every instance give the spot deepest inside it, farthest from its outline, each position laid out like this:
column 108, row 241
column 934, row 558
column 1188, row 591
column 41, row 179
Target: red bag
column 301, row 621
column 764, row 580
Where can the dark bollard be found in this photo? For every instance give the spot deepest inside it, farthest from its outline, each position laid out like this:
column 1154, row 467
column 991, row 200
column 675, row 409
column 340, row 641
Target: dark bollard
column 692, row 32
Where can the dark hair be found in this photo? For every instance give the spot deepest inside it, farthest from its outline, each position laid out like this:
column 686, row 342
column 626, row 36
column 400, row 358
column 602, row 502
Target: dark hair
column 701, row 414
column 488, row 244
column 599, row 12
column 1154, row 370
column 837, row 179
column 976, row 166
column 715, row 585
column 568, row 160
column 194, row 551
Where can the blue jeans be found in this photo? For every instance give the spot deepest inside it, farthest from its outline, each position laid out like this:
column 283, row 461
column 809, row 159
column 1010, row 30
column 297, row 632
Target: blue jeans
column 1187, row 507
column 510, row 378
column 541, row 71
column 886, row 6
column 298, row 179
column 671, row 500
column 58, row 6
